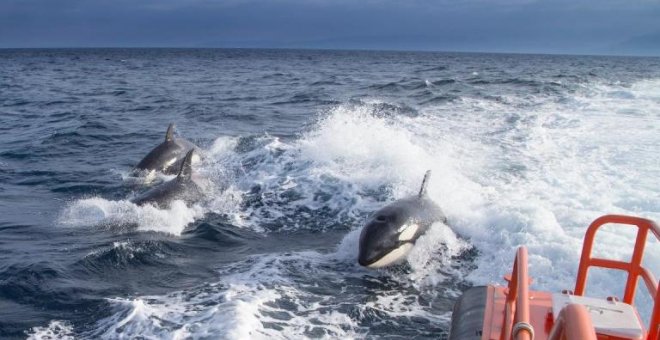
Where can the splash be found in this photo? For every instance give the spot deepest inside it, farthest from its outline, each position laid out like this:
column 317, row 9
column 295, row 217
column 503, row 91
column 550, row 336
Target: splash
column 520, row 170
column 55, row 330
column 271, row 296
column 125, row 216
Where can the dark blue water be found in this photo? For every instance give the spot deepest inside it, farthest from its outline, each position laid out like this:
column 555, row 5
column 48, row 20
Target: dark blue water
column 300, row 147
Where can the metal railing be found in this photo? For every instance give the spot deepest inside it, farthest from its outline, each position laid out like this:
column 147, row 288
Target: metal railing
column 634, row 267
column 516, row 319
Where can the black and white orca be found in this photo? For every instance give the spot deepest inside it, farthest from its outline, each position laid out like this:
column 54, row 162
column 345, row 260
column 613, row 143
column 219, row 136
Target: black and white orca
column 391, row 232
column 168, row 155
column 184, row 187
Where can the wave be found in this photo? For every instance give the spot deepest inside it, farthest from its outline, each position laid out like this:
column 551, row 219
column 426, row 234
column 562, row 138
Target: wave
column 520, row 170
column 24, row 283
column 277, row 296
column 56, row 329
column 503, row 177
column 124, row 216
column 129, row 253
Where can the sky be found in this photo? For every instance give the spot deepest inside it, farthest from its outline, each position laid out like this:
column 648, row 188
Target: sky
column 620, row 27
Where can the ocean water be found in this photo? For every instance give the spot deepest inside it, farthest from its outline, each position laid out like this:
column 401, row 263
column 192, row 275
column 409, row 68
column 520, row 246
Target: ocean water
column 300, row 147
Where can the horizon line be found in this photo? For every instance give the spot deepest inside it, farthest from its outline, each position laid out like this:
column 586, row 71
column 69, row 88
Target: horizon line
column 575, row 54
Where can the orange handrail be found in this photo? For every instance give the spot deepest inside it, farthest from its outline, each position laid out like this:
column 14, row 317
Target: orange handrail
column 516, row 323
column 634, row 267
column 573, row 323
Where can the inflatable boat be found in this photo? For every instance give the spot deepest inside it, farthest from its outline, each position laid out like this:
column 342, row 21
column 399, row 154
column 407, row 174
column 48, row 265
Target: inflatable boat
column 512, row 311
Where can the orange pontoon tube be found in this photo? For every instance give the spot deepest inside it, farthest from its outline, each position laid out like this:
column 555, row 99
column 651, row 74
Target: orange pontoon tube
column 573, row 322
column 515, row 312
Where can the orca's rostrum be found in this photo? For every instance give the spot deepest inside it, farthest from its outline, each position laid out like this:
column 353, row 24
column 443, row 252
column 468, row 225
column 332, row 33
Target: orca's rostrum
column 391, row 232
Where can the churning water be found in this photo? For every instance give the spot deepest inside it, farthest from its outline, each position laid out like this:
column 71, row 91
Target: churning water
column 300, row 146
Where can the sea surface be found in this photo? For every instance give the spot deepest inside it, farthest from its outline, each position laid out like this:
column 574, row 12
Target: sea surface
column 300, row 147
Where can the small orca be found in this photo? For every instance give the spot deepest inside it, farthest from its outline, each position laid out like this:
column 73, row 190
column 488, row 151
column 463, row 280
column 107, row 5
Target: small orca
column 183, row 187
column 391, row 232
column 168, row 155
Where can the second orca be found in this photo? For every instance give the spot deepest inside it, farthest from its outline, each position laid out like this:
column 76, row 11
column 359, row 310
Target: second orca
column 183, row 187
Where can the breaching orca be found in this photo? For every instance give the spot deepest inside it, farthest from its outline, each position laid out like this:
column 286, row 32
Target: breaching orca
column 391, row 232
column 183, row 187
column 168, row 155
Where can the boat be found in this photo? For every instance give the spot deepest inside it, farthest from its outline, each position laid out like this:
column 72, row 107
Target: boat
column 513, row 311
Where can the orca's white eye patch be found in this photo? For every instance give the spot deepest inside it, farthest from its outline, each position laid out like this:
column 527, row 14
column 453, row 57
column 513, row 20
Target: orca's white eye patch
column 170, row 162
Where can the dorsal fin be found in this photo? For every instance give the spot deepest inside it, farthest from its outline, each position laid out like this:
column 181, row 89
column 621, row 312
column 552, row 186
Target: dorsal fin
column 185, row 172
column 169, row 135
column 425, row 182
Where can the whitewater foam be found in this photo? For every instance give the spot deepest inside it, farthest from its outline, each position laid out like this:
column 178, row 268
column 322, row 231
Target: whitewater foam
column 523, row 170
column 125, row 216
column 267, row 297
column 56, row 329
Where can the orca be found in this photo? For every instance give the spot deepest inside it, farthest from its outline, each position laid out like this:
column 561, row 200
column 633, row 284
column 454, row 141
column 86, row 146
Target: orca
column 168, row 155
column 183, row 187
column 390, row 233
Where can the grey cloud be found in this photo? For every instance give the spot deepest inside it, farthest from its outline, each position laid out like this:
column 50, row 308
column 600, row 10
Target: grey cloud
column 557, row 26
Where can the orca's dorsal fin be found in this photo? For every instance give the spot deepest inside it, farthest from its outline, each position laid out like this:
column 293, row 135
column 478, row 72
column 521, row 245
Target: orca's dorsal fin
column 169, row 135
column 185, row 173
column 425, row 182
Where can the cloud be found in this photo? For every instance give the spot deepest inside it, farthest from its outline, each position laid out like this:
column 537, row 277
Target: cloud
column 576, row 26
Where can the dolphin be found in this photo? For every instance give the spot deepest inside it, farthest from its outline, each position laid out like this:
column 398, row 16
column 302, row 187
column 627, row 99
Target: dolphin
column 168, row 155
column 390, row 233
column 183, row 187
